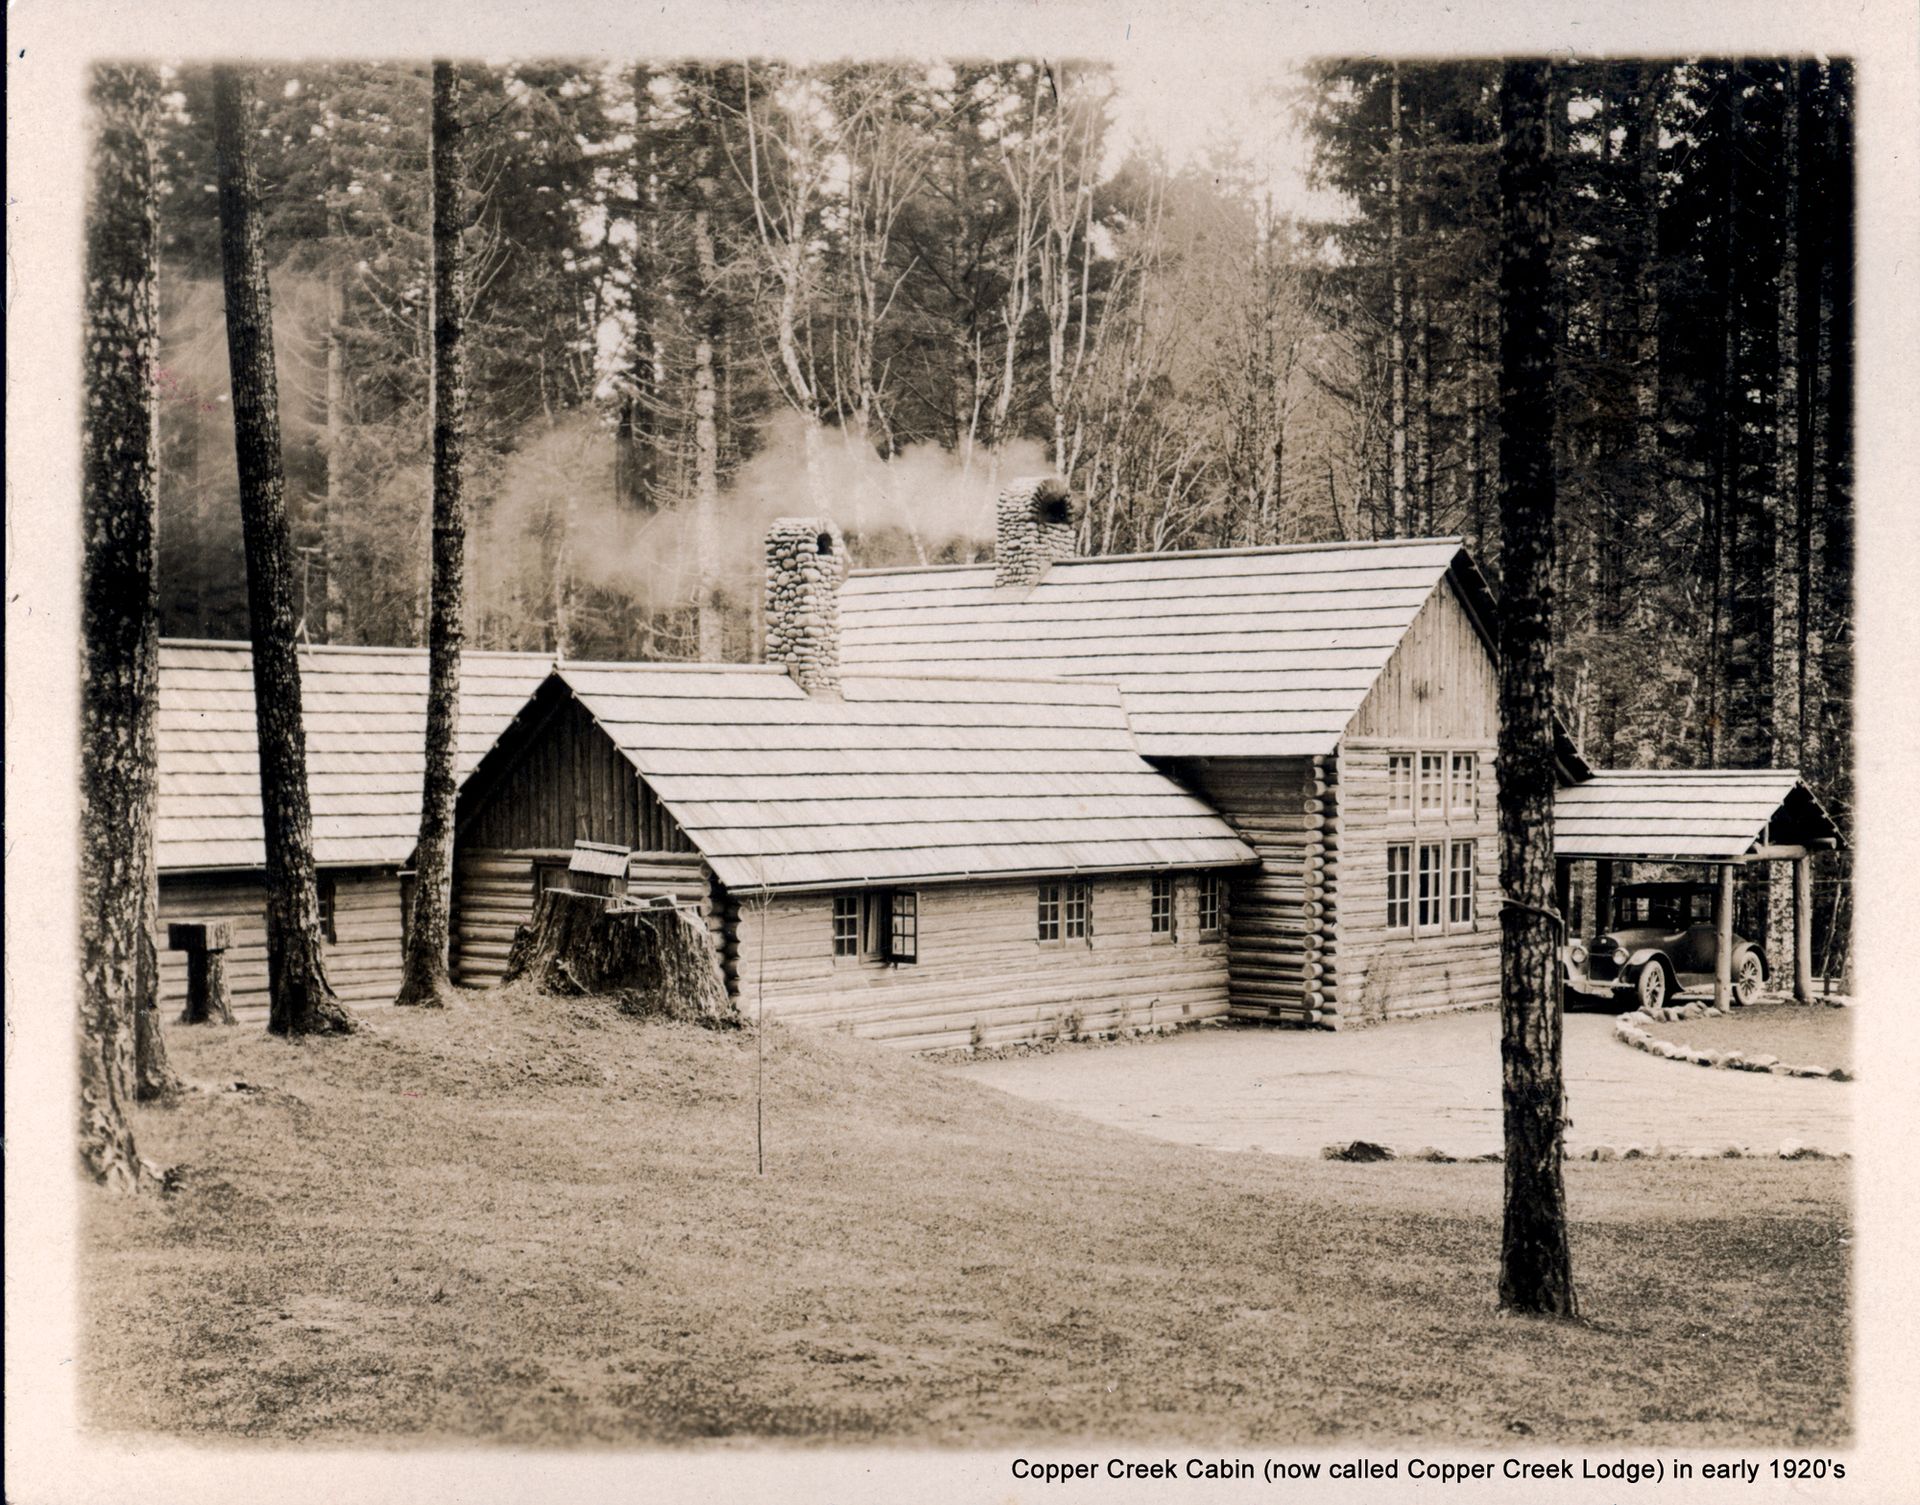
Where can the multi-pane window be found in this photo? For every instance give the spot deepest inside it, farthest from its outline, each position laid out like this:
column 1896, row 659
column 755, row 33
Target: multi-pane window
column 846, row 924
column 327, row 895
column 1160, row 906
column 1433, row 781
column 1427, row 916
column 1460, row 884
column 903, row 934
column 1213, row 905
column 877, row 925
column 1399, row 886
column 1076, row 918
column 1399, row 781
column 1049, row 927
column 1462, row 793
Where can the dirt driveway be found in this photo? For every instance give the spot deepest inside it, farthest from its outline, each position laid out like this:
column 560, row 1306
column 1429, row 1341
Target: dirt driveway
column 1422, row 1082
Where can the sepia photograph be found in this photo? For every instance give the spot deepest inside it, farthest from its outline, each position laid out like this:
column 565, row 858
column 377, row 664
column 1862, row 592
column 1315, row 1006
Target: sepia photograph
column 1140, row 766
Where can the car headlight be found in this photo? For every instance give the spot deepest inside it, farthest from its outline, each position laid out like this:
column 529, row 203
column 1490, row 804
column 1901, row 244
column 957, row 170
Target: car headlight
column 1577, row 953
column 1619, row 956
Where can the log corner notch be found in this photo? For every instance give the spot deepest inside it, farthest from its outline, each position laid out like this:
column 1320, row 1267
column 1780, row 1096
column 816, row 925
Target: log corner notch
column 654, row 961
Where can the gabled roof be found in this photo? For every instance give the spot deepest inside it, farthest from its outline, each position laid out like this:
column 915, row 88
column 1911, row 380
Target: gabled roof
column 1693, row 815
column 365, row 715
column 900, row 779
column 1228, row 652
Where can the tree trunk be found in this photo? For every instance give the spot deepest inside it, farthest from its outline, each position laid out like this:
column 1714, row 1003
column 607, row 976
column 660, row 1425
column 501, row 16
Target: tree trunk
column 331, row 544
column 119, row 619
column 1787, row 631
column 658, row 961
column 1645, row 565
column 300, row 999
column 706, row 445
column 425, row 980
column 1536, row 1266
column 1397, row 337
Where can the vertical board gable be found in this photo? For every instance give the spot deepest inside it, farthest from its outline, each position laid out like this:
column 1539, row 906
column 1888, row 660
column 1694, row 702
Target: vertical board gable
column 1440, row 684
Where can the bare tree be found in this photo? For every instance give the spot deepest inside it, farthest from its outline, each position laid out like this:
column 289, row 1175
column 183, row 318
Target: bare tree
column 1536, row 1266
column 300, row 999
column 119, row 674
column 425, row 981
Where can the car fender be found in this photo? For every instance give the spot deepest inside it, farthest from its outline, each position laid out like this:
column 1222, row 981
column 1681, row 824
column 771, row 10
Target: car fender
column 1637, row 963
column 1766, row 972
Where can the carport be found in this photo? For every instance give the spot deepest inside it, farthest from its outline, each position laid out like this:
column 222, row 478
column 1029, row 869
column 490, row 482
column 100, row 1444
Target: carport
column 1718, row 818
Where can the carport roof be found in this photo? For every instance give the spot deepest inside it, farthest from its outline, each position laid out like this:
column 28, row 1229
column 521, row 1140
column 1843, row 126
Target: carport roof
column 1690, row 815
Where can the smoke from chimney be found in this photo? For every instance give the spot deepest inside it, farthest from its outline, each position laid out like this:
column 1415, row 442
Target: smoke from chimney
column 1034, row 528
column 806, row 561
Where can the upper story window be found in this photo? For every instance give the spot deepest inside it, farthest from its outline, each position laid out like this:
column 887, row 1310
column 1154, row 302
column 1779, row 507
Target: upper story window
column 1160, row 907
column 1463, row 786
column 1399, row 782
column 1433, row 781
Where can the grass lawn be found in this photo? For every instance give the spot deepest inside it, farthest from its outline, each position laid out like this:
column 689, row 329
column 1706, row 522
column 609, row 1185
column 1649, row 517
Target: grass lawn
column 538, row 1222
column 1799, row 1034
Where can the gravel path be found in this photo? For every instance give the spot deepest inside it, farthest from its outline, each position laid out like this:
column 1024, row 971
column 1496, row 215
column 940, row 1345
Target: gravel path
column 1422, row 1082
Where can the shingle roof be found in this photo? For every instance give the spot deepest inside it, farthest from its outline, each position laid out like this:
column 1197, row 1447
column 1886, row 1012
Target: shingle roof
column 1245, row 652
column 908, row 779
column 1699, row 815
column 365, row 715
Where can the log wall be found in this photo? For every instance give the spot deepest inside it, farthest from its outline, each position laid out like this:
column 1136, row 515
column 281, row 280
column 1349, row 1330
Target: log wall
column 982, row 976
column 363, row 962
column 1278, row 922
column 1438, row 694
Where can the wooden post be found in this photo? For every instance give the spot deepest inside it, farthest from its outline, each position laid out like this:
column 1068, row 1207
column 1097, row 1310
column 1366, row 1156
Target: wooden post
column 206, row 943
column 1802, row 931
column 1602, row 897
column 1723, row 939
column 1562, row 895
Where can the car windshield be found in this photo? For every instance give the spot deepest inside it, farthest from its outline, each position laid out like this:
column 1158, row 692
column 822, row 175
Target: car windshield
column 1668, row 909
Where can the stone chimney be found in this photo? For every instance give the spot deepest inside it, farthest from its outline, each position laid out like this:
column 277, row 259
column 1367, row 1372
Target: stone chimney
column 806, row 561
column 1035, row 527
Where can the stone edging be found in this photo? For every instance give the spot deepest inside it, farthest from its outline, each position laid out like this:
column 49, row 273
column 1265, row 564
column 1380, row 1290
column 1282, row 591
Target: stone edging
column 1628, row 1028
column 1366, row 1151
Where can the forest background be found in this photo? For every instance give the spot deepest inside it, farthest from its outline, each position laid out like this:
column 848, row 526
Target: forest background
column 706, row 294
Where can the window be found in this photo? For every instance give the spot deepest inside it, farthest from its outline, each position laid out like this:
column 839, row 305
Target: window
column 1066, row 912
column 1463, row 793
column 1460, row 884
column 903, row 935
column 1160, row 906
column 325, row 888
column 1428, row 916
column 846, row 924
column 1049, row 928
column 1213, row 905
column 1399, row 782
column 877, row 925
column 1433, row 777
column 1076, row 918
column 1399, row 886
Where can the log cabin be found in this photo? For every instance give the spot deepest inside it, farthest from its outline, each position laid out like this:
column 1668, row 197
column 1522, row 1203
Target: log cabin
column 365, row 716
column 928, row 860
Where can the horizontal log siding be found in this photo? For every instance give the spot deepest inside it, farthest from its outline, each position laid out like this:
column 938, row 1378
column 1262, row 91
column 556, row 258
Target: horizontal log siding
column 363, row 962
column 1276, row 922
column 1384, row 974
column 494, row 890
column 982, row 976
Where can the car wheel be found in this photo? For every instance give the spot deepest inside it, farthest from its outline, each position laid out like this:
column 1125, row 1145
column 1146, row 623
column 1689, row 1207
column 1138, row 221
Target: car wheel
column 1651, row 988
column 1749, row 979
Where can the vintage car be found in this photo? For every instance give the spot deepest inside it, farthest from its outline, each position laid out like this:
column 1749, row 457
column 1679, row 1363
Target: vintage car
column 1660, row 942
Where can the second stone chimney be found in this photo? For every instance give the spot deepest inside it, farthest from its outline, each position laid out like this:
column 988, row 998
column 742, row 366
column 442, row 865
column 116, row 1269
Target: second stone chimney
column 1034, row 528
column 806, row 561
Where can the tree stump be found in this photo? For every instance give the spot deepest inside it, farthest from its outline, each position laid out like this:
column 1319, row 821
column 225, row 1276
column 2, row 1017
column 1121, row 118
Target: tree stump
column 206, row 943
column 657, row 961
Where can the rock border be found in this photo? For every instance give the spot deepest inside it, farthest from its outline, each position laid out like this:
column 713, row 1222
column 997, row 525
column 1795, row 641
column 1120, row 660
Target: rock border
column 1367, row 1152
column 1628, row 1029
